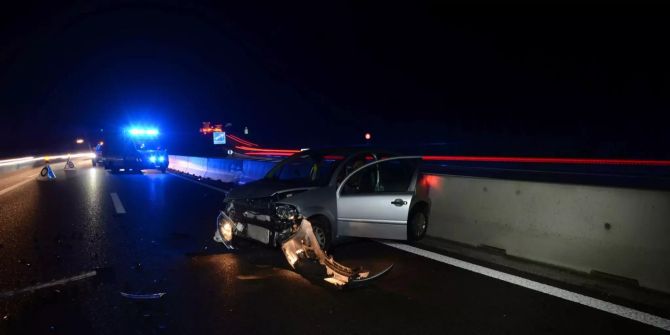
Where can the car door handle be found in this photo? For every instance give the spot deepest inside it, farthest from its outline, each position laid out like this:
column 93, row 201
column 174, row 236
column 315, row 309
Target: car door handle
column 399, row 202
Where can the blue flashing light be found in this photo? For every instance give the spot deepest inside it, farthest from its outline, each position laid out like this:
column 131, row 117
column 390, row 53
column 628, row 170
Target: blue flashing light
column 152, row 159
column 143, row 131
column 161, row 158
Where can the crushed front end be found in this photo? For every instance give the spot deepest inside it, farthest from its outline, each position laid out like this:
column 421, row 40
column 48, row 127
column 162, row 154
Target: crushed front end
column 277, row 224
column 260, row 219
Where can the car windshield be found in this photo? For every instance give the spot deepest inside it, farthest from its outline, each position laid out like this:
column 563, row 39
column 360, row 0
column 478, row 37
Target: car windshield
column 148, row 144
column 309, row 168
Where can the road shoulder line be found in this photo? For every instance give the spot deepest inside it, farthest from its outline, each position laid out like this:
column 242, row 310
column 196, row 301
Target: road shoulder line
column 626, row 312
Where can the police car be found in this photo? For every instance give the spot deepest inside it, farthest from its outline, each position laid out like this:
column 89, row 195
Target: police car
column 135, row 149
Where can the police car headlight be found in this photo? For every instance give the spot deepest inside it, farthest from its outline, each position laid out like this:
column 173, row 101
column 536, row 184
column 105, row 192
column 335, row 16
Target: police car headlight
column 287, row 212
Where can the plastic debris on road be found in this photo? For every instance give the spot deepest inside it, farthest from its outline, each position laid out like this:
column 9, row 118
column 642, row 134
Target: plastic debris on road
column 147, row 296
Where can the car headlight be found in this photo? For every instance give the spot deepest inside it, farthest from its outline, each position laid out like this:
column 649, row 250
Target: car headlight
column 287, row 212
column 227, row 231
column 225, row 227
column 152, row 159
column 161, row 158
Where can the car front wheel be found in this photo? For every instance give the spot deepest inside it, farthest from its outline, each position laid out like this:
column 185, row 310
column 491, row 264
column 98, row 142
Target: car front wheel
column 321, row 229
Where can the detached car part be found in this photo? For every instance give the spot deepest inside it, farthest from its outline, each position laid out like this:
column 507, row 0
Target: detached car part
column 302, row 251
column 304, row 254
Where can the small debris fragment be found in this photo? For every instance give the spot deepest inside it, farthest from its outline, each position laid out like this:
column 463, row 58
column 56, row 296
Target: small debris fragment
column 143, row 296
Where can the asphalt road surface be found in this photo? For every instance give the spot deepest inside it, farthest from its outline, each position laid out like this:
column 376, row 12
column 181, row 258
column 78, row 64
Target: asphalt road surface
column 71, row 226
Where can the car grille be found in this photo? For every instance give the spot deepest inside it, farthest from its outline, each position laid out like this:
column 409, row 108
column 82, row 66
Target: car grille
column 259, row 211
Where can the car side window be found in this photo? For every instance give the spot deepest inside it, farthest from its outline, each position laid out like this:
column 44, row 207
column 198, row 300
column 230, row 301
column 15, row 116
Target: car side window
column 353, row 164
column 393, row 176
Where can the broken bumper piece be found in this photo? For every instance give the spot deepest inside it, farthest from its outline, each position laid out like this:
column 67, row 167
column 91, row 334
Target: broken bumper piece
column 303, row 253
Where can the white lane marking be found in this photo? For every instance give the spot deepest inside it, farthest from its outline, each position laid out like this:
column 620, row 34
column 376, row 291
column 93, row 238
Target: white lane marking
column 10, row 188
column 199, row 183
column 49, row 284
column 118, row 206
column 602, row 305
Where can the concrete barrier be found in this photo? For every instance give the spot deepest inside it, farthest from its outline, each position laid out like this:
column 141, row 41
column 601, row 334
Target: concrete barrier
column 178, row 163
column 226, row 170
column 229, row 170
column 197, row 165
column 620, row 231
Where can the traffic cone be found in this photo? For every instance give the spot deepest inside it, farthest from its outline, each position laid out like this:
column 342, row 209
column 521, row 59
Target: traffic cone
column 46, row 173
column 69, row 165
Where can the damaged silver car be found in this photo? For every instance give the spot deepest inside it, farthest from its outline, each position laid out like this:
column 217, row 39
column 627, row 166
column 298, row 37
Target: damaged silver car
column 314, row 198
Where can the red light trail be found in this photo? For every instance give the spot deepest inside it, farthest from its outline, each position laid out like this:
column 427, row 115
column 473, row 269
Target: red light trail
column 492, row 159
column 548, row 160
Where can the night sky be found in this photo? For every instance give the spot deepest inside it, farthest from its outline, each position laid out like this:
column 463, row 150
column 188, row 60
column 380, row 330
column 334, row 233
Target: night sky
column 572, row 82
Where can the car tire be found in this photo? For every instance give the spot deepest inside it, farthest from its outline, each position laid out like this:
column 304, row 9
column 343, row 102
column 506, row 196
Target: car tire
column 163, row 169
column 93, row 162
column 417, row 226
column 322, row 232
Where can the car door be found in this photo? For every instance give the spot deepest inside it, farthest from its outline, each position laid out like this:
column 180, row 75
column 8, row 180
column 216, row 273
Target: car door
column 374, row 200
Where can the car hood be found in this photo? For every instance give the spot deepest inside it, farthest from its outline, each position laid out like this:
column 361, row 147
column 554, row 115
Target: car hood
column 264, row 188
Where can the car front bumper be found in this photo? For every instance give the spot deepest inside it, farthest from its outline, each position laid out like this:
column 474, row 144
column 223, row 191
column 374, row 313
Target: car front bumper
column 300, row 248
column 228, row 230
